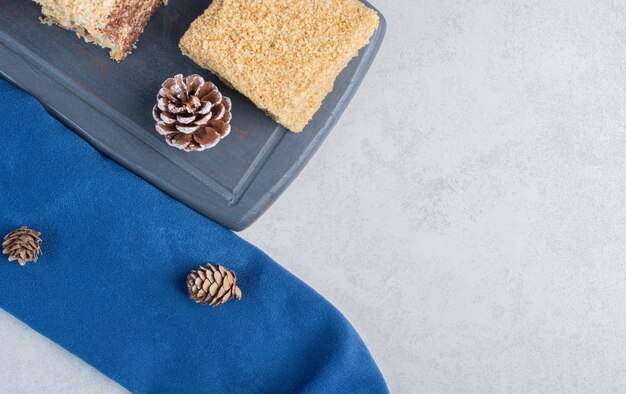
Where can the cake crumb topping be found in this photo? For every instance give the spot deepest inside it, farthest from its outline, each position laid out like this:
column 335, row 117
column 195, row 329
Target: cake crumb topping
column 282, row 54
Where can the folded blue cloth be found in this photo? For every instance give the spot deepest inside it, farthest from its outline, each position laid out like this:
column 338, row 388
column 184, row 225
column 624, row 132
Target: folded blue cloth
column 111, row 284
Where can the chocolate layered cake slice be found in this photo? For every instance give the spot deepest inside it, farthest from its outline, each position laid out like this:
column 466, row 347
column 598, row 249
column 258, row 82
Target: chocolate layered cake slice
column 113, row 24
column 284, row 55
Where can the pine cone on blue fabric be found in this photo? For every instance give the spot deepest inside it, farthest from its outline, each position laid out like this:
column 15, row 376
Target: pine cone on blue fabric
column 213, row 285
column 23, row 245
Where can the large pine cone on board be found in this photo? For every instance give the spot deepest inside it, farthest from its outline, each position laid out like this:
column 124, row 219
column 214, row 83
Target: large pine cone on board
column 191, row 113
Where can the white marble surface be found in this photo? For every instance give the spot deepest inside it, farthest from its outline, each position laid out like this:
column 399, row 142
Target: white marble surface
column 468, row 212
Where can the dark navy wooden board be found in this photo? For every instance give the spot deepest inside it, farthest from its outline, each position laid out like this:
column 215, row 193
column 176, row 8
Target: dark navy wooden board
column 109, row 104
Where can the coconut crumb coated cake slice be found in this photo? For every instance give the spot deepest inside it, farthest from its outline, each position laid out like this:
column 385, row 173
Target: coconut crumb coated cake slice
column 112, row 24
column 284, row 55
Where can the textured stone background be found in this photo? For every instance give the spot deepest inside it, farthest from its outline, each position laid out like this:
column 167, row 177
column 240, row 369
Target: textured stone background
column 467, row 213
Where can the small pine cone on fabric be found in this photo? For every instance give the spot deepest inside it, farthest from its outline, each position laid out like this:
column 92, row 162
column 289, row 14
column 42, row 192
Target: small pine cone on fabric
column 23, row 245
column 191, row 113
column 213, row 285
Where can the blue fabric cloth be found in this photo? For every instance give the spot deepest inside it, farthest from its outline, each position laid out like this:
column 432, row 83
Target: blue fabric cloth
column 110, row 286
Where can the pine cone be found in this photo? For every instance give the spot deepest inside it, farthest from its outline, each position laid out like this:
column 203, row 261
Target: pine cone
column 191, row 113
column 23, row 245
column 212, row 285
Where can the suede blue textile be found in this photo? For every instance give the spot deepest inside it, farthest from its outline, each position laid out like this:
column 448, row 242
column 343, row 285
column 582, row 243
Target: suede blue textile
column 110, row 286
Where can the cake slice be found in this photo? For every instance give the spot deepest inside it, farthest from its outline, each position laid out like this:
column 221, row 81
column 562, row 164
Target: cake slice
column 113, row 24
column 284, row 55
